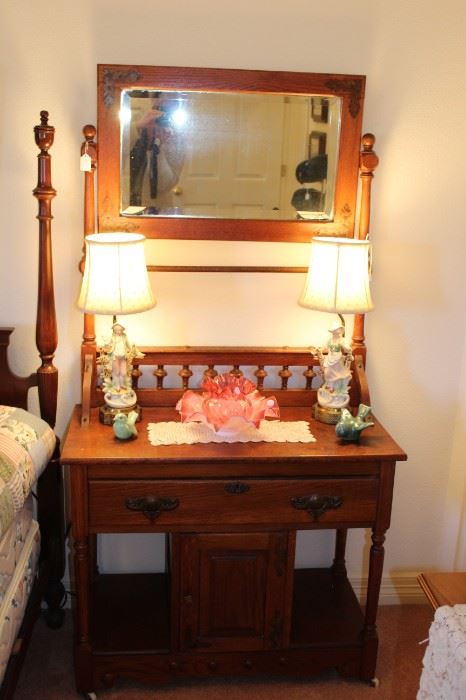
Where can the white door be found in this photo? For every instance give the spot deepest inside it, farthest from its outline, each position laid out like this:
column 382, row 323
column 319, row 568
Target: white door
column 233, row 159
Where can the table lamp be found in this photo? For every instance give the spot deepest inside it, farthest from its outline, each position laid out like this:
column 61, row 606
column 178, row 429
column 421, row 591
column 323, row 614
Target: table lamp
column 115, row 281
column 337, row 281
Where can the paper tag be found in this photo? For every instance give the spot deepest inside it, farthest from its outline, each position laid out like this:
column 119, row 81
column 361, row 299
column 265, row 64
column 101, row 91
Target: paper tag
column 85, row 162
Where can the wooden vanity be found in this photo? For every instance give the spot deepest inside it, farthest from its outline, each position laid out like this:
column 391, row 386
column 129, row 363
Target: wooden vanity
column 230, row 600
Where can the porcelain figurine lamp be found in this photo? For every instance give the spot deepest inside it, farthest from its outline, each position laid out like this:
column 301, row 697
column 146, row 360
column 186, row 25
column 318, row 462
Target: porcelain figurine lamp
column 337, row 281
column 115, row 281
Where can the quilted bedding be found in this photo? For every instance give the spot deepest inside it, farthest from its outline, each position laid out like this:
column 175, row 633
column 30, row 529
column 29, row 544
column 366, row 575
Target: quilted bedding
column 16, row 596
column 26, row 445
column 11, row 546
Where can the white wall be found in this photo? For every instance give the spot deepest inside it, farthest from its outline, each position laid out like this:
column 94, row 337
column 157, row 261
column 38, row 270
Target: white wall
column 413, row 54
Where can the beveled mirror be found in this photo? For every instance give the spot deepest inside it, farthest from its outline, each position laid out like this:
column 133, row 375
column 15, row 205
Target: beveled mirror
column 192, row 153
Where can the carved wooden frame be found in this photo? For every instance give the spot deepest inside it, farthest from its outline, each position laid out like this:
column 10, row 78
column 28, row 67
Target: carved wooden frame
column 112, row 79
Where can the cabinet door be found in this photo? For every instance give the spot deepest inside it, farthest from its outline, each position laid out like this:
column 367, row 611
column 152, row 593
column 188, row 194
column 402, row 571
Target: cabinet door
column 233, row 591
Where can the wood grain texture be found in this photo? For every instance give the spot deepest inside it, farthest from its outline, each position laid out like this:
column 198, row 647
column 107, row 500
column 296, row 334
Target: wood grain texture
column 444, row 587
column 207, row 504
column 104, row 454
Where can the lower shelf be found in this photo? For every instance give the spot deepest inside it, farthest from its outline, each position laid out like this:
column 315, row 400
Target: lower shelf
column 130, row 635
column 325, row 610
column 131, row 612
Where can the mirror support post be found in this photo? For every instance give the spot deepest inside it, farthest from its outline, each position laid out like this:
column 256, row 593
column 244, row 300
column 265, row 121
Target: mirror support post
column 368, row 162
column 88, row 347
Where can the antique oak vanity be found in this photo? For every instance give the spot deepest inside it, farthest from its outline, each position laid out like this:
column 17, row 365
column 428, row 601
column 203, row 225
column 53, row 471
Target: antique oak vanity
column 230, row 600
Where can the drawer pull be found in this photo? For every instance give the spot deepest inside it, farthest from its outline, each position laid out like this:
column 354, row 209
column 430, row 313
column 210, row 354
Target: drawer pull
column 237, row 487
column 316, row 505
column 151, row 506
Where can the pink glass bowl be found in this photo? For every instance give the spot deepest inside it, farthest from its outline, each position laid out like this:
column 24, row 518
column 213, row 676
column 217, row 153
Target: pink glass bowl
column 227, row 399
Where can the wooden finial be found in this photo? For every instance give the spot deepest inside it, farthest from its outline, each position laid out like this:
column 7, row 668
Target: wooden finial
column 44, row 133
column 89, row 145
column 89, row 132
column 368, row 158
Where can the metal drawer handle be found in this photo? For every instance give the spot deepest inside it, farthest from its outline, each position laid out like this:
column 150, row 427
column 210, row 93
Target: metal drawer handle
column 151, row 506
column 316, row 504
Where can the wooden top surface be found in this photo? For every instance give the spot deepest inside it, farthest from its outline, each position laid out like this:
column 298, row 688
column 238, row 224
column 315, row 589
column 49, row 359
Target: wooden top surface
column 444, row 588
column 97, row 443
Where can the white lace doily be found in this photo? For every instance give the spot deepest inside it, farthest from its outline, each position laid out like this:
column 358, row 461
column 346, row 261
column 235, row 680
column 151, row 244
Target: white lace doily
column 173, row 433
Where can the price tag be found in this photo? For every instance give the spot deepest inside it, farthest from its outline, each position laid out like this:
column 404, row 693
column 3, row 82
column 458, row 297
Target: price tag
column 85, row 163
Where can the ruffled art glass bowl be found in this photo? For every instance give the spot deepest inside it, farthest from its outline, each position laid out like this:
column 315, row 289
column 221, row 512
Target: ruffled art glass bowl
column 227, row 403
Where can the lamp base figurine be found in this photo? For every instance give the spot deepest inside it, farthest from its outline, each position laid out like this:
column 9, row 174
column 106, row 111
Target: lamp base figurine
column 335, row 362
column 116, row 361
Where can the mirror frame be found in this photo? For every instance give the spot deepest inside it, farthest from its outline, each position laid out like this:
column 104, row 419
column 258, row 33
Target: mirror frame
column 113, row 79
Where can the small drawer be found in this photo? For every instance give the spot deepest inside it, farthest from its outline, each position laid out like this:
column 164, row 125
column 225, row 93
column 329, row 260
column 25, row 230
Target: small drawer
column 180, row 504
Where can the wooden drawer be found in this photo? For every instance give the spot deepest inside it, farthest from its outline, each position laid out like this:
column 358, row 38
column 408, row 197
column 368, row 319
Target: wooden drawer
column 125, row 505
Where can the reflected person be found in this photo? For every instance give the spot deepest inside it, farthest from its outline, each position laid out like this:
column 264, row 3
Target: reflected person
column 158, row 151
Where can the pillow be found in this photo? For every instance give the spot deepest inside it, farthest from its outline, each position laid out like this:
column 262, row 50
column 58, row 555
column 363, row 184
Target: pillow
column 26, row 445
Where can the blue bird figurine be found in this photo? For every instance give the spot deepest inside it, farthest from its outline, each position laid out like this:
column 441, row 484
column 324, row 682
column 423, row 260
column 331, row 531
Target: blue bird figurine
column 124, row 425
column 349, row 427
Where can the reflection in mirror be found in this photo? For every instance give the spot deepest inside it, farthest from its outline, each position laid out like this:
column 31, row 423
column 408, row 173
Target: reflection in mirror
column 228, row 155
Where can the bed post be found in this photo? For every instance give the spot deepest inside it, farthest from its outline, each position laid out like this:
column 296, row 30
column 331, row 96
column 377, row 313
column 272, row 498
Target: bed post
column 46, row 323
column 367, row 164
column 50, row 487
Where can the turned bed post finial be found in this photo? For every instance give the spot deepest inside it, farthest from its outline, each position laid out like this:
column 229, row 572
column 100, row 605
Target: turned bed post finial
column 46, row 323
column 368, row 161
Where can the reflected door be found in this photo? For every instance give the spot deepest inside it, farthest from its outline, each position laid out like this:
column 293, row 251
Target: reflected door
column 233, row 165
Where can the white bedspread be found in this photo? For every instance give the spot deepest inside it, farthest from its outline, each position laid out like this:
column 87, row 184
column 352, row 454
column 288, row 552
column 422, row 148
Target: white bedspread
column 444, row 666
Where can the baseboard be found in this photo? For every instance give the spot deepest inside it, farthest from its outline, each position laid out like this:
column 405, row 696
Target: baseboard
column 397, row 588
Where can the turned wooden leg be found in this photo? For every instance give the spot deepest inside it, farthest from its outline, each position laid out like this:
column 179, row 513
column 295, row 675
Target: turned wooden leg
column 339, row 565
column 82, row 571
column 93, row 556
column 369, row 632
column 82, row 647
column 82, row 575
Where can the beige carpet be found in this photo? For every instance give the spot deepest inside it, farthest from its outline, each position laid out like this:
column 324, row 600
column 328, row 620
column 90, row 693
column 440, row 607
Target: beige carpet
column 48, row 672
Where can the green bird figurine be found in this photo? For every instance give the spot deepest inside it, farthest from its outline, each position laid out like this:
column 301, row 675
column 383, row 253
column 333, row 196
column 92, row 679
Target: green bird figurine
column 349, row 427
column 124, row 425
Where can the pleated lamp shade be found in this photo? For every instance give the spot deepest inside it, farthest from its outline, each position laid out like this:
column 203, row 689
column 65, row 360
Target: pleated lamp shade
column 115, row 279
column 338, row 276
